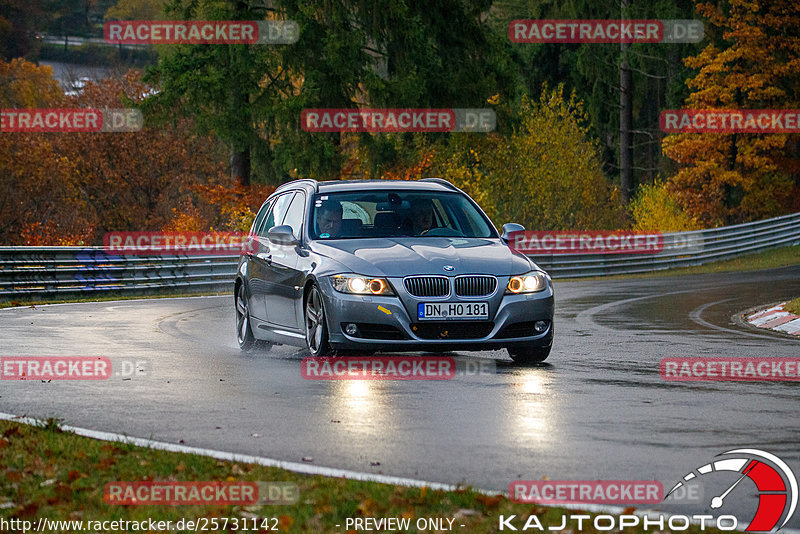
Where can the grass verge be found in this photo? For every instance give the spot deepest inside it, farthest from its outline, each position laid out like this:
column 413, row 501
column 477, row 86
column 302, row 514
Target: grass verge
column 48, row 473
column 793, row 306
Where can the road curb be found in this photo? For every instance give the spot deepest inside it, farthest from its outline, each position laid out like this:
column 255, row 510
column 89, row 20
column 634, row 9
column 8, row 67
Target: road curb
column 774, row 318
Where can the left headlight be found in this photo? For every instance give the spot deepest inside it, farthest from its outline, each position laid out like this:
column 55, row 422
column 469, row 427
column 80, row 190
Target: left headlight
column 527, row 283
column 361, row 285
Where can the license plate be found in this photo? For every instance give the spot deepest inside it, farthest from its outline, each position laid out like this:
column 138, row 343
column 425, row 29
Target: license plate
column 453, row 310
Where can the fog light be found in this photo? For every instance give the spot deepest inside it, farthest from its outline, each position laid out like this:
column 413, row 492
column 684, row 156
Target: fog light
column 351, row 329
column 540, row 326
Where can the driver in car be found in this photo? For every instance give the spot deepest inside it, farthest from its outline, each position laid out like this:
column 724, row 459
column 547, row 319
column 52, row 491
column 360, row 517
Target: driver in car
column 329, row 219
column 422, row 215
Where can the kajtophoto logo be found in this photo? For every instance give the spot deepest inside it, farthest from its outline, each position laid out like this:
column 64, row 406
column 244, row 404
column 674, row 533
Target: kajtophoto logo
column 775, row 498
column 775, row 482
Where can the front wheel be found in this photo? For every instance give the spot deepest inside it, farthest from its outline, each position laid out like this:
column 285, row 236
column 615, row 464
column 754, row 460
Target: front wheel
column 244, row 333
column 316, row 325
column 529, row 355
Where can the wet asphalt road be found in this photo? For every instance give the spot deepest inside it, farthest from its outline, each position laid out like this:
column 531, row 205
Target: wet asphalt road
column 597, row 410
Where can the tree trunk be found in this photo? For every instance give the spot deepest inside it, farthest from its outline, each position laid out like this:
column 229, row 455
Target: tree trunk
column 625, row 118
column 240, row 166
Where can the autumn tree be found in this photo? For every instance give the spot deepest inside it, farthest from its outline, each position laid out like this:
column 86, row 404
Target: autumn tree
column 545, row 175
column 71, row 188
column 754, row 63
column 651, row 77
column 18, row 25
column 135, row 10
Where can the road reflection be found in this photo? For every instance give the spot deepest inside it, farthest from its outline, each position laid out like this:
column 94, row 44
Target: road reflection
column 532, row 413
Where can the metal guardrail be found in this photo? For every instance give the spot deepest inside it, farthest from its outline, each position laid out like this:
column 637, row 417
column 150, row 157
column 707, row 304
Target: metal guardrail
column 681, row 249
column 54, row 271
column 51, row 271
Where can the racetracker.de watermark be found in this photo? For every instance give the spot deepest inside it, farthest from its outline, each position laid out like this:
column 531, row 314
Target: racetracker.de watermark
column 606, row 31
column 177, row 493
column 70, row 120
column 586, row 491
column 398, row 120
column 604, row 242
column 201, row 32
column 72, row 368
column 730, row 121
column 772, row 369
column 191, row 243
column 394, row 367
column 586, row 242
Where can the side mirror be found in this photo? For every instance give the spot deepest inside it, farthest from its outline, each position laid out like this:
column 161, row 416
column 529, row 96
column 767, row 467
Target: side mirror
column 510, row 228
column 282, row 235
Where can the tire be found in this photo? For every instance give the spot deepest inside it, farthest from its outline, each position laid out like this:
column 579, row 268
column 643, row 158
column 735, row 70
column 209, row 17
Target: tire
column 530, row 355
column 244, row 333
column 316, row 326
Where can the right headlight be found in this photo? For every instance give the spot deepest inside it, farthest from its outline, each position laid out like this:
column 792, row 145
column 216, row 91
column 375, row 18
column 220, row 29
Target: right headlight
column 527, row 283
column 361, row 285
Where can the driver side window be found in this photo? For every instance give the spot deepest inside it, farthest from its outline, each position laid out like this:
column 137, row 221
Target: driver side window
column 262, row 214
column 275, row 214
column 295, row 213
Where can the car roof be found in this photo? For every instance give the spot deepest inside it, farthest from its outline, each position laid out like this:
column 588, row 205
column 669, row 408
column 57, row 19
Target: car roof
column 361, row 185
column 431, row 184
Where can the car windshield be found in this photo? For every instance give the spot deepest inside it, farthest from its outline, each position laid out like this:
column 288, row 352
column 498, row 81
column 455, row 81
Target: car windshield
column 377, row 214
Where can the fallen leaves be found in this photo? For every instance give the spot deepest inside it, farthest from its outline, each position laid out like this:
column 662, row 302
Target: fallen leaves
column 285, row 522
column 106, row 462
column 13, row 431
column 367, row 507
column 489, row 501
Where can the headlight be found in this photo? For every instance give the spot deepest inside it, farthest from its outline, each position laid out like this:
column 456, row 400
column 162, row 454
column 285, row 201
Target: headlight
column 527, row 283
column 361, row 285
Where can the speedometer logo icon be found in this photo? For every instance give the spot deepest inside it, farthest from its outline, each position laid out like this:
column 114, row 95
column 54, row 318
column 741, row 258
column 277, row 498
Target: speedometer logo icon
column 776, row 484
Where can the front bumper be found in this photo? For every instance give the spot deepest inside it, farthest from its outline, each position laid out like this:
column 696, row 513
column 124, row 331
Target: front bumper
column 390, row 323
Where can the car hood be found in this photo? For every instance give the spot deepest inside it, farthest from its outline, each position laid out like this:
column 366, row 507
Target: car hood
column 397, row 257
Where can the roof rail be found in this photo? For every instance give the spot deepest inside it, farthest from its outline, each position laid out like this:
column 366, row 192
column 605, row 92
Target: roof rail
column 309, row 180
column 440, row 181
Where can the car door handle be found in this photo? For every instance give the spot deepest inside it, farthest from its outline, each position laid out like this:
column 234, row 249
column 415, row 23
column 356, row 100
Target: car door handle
column 265, row 257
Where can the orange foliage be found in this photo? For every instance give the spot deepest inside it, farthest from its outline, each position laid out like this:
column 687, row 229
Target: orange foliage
column 729, row 178
column 224, row 208
column 414, row 172
column 71, row 188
